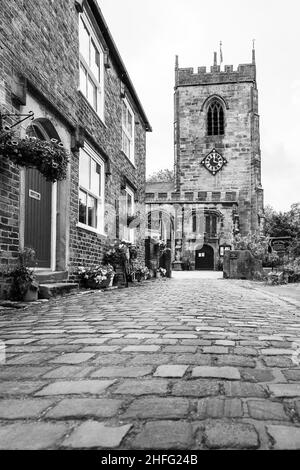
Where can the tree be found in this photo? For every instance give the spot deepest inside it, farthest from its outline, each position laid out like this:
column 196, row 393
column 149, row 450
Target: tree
column 165, row 175
column 283, row 224
column 256, row 243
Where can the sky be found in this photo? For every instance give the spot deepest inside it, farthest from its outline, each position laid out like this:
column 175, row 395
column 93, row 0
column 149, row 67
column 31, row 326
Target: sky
column 149, row 33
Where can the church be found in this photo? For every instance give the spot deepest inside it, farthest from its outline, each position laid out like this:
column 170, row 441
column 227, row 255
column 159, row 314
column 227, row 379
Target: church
column 217, row 191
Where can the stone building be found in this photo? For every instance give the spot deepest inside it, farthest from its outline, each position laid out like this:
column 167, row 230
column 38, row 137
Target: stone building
column 59, row 60
column 217, row 189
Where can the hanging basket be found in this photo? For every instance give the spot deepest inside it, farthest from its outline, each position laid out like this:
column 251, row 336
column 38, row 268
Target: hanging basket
column 49, row 157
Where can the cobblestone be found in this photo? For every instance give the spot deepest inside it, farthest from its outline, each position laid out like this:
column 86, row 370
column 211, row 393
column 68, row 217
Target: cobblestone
column 235, row 360
column 196, row 388
column 180, row 364
column 266, row 410
column 145, row 387
column 217, row 372
column 31, row 436
column 243, row 389
column 82, row 407
column 285, row 437
column 284, row 390
column 160, row 408
column 19, row 388
column 164, row 435
column 276, row 352
column 257, row 375
column 231, row 436
column 141, row 348
column 292, row 374
column 171, row 371
column 122, row 372
column 219, row 407
column 14, row 408
column 277, row 361
column 92, row 387
column 180, row 349
column 92, row 434
column 73, row 358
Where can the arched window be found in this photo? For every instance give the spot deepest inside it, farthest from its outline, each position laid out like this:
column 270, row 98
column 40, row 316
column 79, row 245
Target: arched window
column 215, row 119
column 211, row 225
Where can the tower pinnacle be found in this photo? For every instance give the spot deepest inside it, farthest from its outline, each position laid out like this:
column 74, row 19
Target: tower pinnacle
column 253, row 51
column 215, row 59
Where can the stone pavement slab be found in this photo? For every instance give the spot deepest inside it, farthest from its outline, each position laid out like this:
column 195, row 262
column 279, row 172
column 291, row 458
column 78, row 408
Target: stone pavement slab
column 31, row 436
column 219, row 407
column 220, row 435
column 92, row 434
column 93, row 387
column 171, row 370
column 284, row 390
column 84, row 407
column 157, row 407
column 164, row 435
column 284, row 437
column 229, row 373
column 18, row 408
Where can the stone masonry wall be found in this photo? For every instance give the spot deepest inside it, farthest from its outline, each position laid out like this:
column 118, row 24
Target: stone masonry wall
column 237, row 145
column 39, row 41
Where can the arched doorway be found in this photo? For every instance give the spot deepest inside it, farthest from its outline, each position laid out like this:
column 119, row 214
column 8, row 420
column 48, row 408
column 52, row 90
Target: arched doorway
column 39, row 211
column 204, row 258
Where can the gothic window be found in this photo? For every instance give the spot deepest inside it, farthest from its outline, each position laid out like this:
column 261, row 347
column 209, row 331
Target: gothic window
column 215, row 119
column 211, row 225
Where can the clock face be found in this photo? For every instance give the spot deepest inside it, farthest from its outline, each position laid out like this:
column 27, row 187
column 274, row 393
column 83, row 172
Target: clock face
column 214, row 161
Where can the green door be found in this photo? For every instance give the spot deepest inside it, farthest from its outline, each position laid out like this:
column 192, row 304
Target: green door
column 38, row 217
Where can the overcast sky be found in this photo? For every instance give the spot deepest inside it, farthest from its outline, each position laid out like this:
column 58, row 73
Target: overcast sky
column 149, row 33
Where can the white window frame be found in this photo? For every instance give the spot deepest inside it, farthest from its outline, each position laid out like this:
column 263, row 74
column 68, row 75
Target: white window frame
column 99, row 85
column 128, row 233
column 125, row 131
column 100, row 198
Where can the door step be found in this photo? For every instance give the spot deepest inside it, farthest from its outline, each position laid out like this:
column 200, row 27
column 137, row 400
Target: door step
column 55, row 289
column 48, row 277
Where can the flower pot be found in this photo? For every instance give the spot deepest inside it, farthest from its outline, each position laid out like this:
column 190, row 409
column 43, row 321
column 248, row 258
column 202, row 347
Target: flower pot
column 31, row 295
column 92, row 284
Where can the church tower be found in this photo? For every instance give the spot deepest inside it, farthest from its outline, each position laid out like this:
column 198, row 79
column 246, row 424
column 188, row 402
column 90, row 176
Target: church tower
column 217, row 163
column 218, row 110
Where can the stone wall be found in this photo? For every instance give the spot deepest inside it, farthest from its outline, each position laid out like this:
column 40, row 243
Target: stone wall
column 241, row 264
column 239, row 144
column 40, row 59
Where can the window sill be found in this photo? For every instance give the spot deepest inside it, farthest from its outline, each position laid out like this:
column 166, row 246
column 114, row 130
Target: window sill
column 101, row 118
column 90, row 229
column 128, row 159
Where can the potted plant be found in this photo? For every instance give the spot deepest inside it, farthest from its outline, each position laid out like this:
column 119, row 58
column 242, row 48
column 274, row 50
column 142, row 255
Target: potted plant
column 97, row 277
column 49, row 157
column 120, row 255
column 139, row 271
column 24, row 283
column 161, row 272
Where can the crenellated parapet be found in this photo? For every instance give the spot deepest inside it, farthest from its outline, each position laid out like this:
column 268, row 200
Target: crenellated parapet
column 187, row 76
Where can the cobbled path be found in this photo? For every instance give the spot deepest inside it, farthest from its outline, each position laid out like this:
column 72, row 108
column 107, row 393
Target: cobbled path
column 166, row 364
